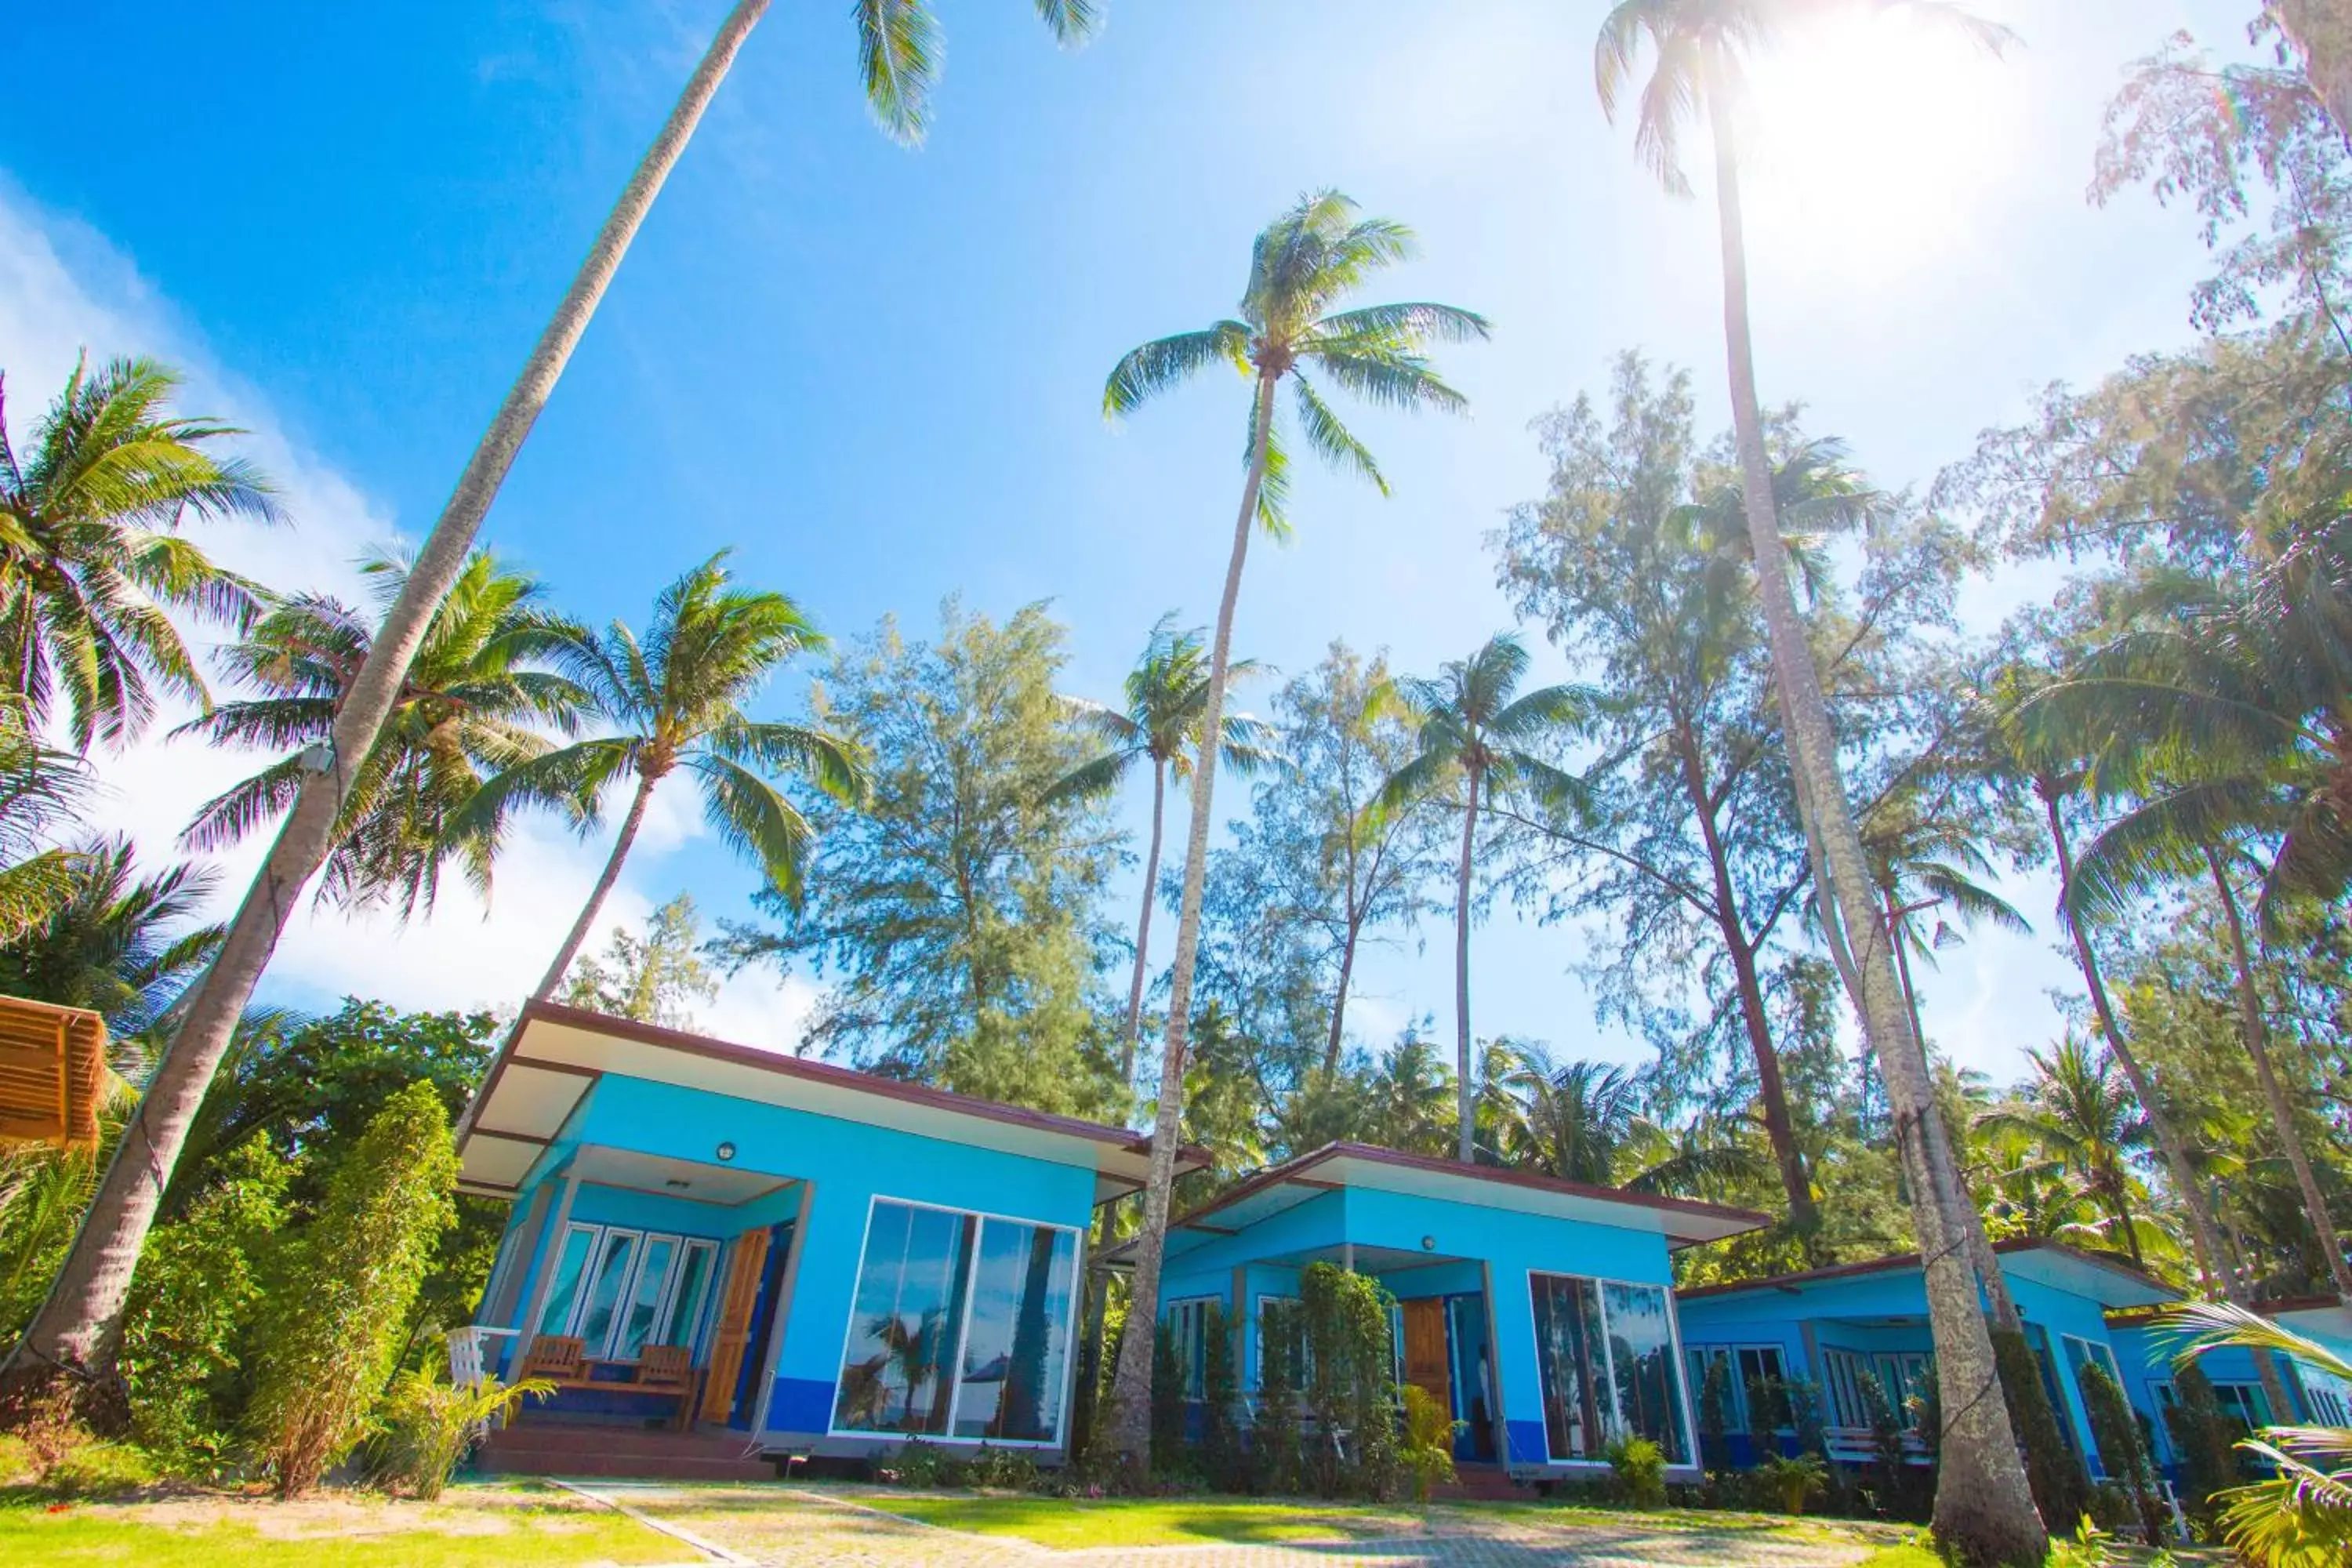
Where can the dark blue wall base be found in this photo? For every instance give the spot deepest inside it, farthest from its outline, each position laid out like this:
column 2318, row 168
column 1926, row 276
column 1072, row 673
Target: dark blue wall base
column 799, row 1405
column 1527, row 1440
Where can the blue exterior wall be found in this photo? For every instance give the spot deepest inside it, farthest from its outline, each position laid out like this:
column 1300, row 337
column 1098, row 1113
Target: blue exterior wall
column 1780, row 1316
column 1509, row 1244
column 846, row 1164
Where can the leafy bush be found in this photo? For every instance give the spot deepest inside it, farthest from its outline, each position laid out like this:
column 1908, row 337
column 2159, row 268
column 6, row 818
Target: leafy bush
column 2206, row 1441
column 1274, row 1439
column 2061, row 1489
column 1167, row 1402
column 334, row 1322
column 429, row 1425
column 1003, row 1469
column 1350, row 1368
column 1640, row 1469
column 1428, row 1446
column 1767, row 1412
column 2117, row 1432
column 192, row 1306
column 1792, row 1481
column 921, row 1464
column 1221, row 1393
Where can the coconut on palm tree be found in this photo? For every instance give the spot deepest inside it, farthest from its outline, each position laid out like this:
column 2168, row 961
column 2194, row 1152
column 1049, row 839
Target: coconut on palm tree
column 91, row 553
column 899, row 56
column 476, row 701
column 1302, row 267
column 1478, row 737
column 674, row 701
column 1166, row 692
column 1983, row 1510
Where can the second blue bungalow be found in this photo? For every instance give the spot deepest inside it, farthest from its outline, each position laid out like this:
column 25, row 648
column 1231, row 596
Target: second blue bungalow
column 1848, row 1330
column 1540, row 1313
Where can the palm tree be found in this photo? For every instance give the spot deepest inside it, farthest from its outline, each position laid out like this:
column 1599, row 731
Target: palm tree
column 2076, row 1110
column 674, row 700
column 121, row 945
column 1579, row 1117
column 1475, row 731
column 1303, row 264
column 2301, row 1511
column 473, row 705
column 1409, row 1094
column 899, row 56
column 42, row 792
column 1984, row 1509
column 1166, row 692
column 90, row 552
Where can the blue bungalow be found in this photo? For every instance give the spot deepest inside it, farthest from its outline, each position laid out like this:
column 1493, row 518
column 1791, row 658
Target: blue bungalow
column 1541, row 1312
column 2146, row 1344
column 817, row 1260
column 1832, row 1327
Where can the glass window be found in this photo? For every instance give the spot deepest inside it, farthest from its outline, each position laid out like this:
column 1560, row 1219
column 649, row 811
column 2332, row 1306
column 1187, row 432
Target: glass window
column 1649, row 1382
column 563, row 1289
column 1301, row 1366
column 687, row 1297
column 606, row 1276
column 897, row 1374
column 1572, row 1355
column 1188, row 1332
column 1018, row 1337
column 646, row 1297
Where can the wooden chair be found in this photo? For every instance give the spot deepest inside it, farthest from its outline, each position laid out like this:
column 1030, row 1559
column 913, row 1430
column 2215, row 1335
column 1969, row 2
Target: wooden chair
column 666, row 1370
column 562, row 1359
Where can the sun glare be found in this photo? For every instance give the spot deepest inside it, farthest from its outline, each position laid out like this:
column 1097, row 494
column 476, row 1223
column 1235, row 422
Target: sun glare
column 1870, row 142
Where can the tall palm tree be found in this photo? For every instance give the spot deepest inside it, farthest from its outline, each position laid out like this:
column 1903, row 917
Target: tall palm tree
column 121, row 945
column 1305, row 263
column 1984, row 1508
column 90, row 552
column 1476, row 735
column 898, row 58
column 475, row 701
column 1409, row 1094
column 674, row 703
column 1166, row 692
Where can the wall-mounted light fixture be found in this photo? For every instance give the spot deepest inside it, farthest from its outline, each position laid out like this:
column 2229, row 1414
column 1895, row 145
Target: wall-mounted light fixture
column 725, row 1153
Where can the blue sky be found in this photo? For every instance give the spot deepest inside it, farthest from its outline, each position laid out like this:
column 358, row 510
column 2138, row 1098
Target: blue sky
column 876, row 374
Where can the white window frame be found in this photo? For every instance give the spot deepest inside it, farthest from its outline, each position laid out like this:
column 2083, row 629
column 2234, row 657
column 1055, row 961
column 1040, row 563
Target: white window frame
column 1609, row 1359
column 665, row 1306
column 1069, row 1329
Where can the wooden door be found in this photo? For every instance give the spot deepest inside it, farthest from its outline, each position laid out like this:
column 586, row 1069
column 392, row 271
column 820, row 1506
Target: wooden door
column 1426, row 1362
column 732, row 1332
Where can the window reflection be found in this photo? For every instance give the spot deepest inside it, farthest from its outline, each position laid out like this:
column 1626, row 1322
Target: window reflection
column 1606, row 1356
column 932, row 1280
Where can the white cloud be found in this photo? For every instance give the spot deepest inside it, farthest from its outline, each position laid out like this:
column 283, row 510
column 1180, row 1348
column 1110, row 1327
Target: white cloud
column 64, row 289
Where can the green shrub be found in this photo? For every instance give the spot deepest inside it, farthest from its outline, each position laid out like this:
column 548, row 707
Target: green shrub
column 1768, row 1408
column 1167, row 1404
column 1274, row 1439
column 191, row 1307
column 1792, row 1481
column 2062, row 1489
column 1350, row 1379
column 921, row 1464
column 2117, row 1433
column 1641, row 1469
column 1003, row 1469
column 1427, row 1450
column 100, row 1469
column 1221, row 1395
column 427, row 1427
column 334, row 1322
column 2206, row 1441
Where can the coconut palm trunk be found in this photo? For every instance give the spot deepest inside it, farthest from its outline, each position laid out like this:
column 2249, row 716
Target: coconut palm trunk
column 75, row 1329
column 2257, row 1036
column 2321, row 31
column 1127, row 1433
column 2203, row 1234
column 1984, row 1509
column 605, row 881
column 1133, row 1031
column 1465, row 1098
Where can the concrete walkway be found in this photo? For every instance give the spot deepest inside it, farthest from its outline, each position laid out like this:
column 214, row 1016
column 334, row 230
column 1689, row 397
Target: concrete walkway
column 797, row 1526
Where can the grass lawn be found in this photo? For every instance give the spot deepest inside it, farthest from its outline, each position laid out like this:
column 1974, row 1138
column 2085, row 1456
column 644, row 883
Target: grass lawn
column 471, row 1527
column 1072, row 1523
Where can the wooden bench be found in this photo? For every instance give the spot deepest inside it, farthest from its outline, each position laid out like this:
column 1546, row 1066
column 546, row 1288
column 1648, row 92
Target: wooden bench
column 664, row 1372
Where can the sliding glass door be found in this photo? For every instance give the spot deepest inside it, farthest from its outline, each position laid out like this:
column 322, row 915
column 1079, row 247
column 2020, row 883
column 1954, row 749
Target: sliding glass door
column 960, row 1327
column 621, row 1290
column 1605, row 1352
